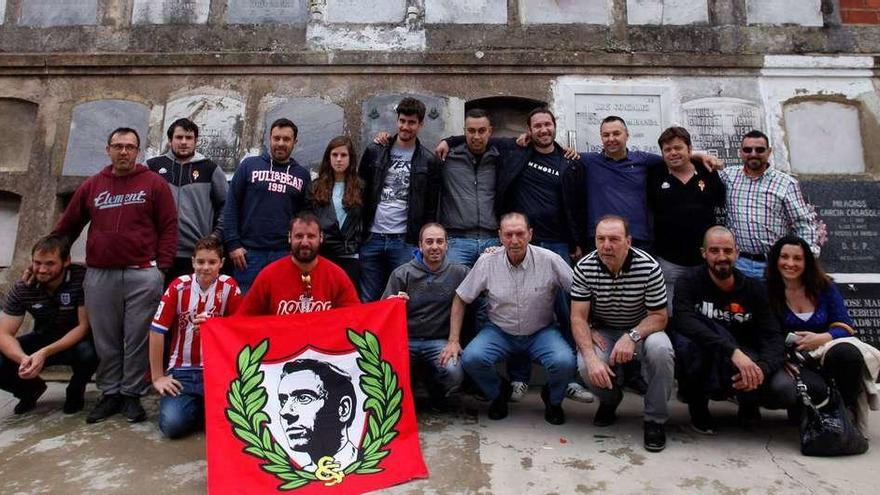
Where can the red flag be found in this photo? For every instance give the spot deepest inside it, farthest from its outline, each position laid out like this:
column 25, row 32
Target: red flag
column 310, row 403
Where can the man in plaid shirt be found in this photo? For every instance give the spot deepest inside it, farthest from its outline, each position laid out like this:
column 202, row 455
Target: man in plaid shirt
column 764, row 204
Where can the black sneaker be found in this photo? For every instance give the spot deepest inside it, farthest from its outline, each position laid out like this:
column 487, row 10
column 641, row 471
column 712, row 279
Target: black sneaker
column 553, row 414
column 655, row 436
column 132, row 409
column 702, row 421
column 748, row 415
column 498, row 407
column 606, row 415
column 29, row 401
column 109, row 405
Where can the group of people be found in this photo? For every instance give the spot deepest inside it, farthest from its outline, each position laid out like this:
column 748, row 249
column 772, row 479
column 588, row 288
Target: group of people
column 606, row 268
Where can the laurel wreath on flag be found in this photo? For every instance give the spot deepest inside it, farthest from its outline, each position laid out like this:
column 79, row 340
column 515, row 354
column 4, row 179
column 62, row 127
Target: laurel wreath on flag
column 247, row 397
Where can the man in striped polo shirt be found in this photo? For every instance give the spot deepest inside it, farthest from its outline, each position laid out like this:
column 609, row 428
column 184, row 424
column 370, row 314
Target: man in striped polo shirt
column 618, row 313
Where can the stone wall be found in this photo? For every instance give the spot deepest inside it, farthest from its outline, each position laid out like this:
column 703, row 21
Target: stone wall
column 72, row 70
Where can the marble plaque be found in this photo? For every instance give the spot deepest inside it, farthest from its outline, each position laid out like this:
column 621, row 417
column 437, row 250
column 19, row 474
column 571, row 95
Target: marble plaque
column 17, row 131
column 717, row 125
column 863, row 302
column 267, row 12
column 318, row 121
column 91, row 124
column 643, row 113
column 565, row 12
column 801, row 12
column 219, row 119
column 466, row 12
column 379, row 114
column 45, row 13
column 10, row 204
column 667, row 12
column 824, row 137
column 170, row 11
column 850, row 211
column 365, row 11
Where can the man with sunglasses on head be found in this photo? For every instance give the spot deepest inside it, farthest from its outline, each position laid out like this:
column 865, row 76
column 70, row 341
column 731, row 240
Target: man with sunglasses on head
column 764, row 204
column 302, row 282
column 132, row 236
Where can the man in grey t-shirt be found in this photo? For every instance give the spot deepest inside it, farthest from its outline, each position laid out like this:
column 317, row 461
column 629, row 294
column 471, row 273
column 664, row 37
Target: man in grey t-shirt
column 520, row 284
column 401, row 190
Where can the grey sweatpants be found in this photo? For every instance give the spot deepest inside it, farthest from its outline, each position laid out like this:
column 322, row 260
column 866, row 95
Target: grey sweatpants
column 121, row 303
column 658, row 370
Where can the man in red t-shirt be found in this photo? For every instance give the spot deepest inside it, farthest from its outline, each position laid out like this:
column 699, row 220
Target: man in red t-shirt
column 303, row 282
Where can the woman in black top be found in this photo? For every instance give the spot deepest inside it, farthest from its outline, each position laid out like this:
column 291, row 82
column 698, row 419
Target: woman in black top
column 337, row 197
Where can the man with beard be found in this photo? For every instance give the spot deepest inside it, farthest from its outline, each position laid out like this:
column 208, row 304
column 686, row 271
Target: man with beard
column 317, row 405
column 727, row 341
column 61, row 328
column 199, row 189
column 302, row 282
column 618, row 314
column 764, row 204
column 266, row 192
column 428, row 283
column 401, row 190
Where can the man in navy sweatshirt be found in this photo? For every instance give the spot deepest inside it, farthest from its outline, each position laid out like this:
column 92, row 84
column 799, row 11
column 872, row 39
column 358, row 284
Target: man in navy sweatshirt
column 266, row 192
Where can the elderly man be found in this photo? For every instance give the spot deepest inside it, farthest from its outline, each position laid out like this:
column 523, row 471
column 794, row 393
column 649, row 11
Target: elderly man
column 618, row 313
column 764, row 204
column 520, row 282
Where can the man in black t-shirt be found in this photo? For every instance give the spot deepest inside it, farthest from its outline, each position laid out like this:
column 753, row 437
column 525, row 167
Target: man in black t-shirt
column 684, row 201
column 56, row 301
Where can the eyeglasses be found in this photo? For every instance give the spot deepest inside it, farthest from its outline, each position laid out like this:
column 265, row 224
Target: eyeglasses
column 757, row 149
column 125, row 147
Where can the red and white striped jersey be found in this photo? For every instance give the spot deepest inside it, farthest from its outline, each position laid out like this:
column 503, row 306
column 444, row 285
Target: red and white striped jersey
column 182, row 301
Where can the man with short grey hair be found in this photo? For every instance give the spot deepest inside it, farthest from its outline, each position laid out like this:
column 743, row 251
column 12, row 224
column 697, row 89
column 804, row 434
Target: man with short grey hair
column 618, row 313
column 520, row 283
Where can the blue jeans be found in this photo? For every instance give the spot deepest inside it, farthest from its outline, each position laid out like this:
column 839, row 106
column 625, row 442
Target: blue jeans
column 520, row 368
column 466, row 250
column 446, row 379
column 493, row 345
column 256, row 259
column 185, row 412
column 379, row 256
column 751, row 268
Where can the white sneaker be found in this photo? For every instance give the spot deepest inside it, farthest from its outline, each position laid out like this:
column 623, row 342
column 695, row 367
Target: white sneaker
column 576, row 391
column 518, row 391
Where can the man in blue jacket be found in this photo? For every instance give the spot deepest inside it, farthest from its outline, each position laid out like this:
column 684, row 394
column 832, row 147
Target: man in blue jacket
column 266, row 192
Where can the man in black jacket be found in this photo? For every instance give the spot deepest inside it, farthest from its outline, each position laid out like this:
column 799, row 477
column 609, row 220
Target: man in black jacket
column 401, row 189
column 727, row 341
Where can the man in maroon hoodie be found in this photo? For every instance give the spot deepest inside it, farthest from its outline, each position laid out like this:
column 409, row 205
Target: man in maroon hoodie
column 133, row 235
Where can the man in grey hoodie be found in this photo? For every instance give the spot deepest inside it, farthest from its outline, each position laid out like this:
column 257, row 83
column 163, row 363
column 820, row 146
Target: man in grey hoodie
column 199, row 189
column 428, row 282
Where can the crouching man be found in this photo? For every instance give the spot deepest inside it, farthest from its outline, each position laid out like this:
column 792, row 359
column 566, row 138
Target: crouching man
column 428, row 283
column 520, row 283
column 61, row 335
column 727, row 341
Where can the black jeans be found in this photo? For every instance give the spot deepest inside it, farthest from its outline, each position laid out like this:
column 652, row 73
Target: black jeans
column 81, row 357
column 844, row 363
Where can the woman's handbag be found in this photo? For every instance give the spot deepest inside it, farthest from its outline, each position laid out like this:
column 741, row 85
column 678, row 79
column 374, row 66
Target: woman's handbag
column 829, row 430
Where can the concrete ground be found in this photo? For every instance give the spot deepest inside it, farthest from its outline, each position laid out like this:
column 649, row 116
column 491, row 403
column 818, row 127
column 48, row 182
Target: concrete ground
column 47, row 452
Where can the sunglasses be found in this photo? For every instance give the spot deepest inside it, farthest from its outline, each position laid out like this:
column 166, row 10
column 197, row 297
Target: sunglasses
column 757, row 149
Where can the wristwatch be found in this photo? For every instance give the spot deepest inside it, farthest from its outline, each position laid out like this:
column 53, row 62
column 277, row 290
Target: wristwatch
column 635, row 335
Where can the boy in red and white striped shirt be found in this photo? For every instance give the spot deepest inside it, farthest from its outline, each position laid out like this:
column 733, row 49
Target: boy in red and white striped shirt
column 186, row 304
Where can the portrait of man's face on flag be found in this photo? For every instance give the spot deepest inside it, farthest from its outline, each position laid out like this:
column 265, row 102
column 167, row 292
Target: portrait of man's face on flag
column 316, row 403
column 317, row 411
